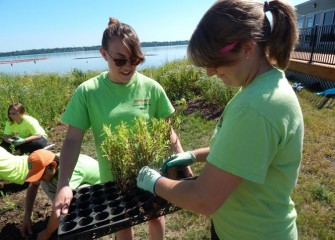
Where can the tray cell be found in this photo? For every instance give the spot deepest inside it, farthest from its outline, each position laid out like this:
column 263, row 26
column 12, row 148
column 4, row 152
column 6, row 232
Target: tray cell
column 85, row 221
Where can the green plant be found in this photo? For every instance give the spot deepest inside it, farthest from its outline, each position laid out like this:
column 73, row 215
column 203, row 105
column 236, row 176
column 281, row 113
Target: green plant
column 9, row 204
column 177, row 78
column 214, row 91
column 130, row 148
column 12, row 149
column 321, row 193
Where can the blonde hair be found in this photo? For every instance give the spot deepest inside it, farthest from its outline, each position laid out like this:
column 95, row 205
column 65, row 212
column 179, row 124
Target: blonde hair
column 238, row 21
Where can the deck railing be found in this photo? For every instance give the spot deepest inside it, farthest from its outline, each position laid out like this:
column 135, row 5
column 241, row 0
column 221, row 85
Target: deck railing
column 316, row 44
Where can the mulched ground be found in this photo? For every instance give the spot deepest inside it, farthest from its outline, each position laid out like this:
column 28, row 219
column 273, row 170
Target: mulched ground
column 13, row 198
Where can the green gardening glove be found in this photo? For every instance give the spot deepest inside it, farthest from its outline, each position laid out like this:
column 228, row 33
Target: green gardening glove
column 18, row 141
column 147, row 179
column 178, row 160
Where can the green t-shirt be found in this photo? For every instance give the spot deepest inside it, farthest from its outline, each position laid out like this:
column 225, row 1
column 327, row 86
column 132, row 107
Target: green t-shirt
column 98, row 102
column 86, row 171
column 28, row 127
column 259, row 138
column 13, row 168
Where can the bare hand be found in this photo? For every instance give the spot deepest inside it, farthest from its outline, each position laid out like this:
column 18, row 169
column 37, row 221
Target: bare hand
column 62, row 201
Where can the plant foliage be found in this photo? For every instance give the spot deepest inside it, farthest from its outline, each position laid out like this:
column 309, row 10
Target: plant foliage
column 128, row 149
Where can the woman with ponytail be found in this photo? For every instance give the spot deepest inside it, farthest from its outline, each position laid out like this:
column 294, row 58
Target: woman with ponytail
column 251, row 165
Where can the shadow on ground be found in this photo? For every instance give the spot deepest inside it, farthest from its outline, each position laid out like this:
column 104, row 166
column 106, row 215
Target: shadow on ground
column 11, row 231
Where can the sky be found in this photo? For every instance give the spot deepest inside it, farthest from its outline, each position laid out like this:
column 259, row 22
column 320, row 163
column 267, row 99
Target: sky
column 36, row 24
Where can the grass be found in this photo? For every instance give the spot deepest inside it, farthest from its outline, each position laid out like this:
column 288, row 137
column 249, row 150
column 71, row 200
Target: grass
column 9, row 203
column 314, row 194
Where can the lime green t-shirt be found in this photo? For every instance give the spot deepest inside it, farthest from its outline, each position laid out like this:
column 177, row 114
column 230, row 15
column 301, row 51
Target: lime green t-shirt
column 13, row 168
column 259, row 138
column 98, row 102
column 28, row 127
column 86, row 171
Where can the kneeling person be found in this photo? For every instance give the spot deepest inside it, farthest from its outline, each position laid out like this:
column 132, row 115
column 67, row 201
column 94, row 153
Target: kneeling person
column 43, row 168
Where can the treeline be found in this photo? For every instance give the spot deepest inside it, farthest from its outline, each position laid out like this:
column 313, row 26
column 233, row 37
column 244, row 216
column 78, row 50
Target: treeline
column 76, row 49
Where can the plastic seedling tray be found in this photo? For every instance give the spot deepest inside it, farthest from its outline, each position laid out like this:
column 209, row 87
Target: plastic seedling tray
column 103, row 209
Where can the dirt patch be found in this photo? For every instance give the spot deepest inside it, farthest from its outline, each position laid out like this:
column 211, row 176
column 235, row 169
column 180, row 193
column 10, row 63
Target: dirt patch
column 13, row 198
column 12, row 210
column 207, row 110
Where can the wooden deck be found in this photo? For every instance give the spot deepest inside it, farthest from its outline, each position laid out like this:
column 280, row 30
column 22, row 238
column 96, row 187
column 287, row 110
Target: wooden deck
column 323, row 71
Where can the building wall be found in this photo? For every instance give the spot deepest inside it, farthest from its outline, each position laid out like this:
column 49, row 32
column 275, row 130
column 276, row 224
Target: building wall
column 312, row 12
column 308, row 6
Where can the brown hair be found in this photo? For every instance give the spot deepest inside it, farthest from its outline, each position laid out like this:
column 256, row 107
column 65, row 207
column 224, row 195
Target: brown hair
column 126, row 34
column 18, row 107
column 238, row 21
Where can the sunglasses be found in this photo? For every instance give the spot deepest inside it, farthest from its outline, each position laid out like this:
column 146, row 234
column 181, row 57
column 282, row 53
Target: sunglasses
column 120, row 62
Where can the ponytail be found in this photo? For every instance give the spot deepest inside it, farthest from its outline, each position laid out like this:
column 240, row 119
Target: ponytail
column 284, row 33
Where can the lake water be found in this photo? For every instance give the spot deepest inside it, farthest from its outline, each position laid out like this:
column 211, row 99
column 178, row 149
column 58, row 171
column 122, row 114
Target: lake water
column 85, row 60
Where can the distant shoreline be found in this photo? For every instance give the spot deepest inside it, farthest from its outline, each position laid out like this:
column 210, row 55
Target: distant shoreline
column 22, row 60
column 75, row 49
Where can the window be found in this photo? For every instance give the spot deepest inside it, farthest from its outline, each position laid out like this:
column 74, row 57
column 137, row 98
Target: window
column 310, row 21
column 317, row 19
column 300, row 22
column 328, row 18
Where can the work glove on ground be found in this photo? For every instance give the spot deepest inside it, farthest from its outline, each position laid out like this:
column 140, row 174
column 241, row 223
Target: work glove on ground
column 178, row 160
column 327, row 92
column 18, row 141
column 147, row 179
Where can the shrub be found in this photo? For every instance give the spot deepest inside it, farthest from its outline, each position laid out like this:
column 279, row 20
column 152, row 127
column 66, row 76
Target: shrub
column 214, row 91
column 130, row 148
column 177, row 78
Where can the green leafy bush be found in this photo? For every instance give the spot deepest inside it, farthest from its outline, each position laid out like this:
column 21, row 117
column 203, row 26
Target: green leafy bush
column 177, row 78
column 214, row 91
column 147, row 143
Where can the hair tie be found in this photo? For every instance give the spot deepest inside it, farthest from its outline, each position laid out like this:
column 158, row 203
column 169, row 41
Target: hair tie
column 268, row 14
column 227, row 48
column 266, row 6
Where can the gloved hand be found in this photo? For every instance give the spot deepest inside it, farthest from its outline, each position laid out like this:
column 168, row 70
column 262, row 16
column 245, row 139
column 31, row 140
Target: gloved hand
column 18, row 141
column 178, row 160
column 147, row 179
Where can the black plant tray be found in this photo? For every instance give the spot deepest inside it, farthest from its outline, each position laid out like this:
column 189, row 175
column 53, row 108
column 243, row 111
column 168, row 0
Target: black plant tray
column 103, row 209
